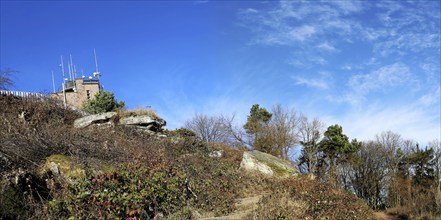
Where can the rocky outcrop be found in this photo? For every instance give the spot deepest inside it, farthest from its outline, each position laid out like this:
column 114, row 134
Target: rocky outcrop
column 71, row 170
column 267, row 164
column 101, row 118
column 63, row 166
column 144, row 121
column 216, row 154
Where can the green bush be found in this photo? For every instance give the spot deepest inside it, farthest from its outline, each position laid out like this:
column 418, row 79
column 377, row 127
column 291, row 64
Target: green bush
column 102, row 102
column 132, row 191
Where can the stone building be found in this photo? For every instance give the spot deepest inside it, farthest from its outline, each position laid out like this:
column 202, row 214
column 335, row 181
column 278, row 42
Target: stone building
column 75, row 92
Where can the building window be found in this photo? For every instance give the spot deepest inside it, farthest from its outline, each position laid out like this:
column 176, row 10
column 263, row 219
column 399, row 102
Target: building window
column 88, row 94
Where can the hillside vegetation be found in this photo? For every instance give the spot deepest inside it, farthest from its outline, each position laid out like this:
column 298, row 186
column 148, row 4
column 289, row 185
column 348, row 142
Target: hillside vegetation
column 51, row 170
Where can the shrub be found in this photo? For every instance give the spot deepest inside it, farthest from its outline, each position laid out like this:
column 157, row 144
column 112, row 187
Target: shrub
column 102, row 102
column 133, row 191
column 138, row 112
column 302, row 198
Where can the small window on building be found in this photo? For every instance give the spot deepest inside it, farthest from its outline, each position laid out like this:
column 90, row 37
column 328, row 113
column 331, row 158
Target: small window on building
column 88, row 94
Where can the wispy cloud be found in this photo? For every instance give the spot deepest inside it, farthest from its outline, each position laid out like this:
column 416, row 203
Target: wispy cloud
column 348, row 6
column 318, row 83
column 201, row 2
column 286, row 24
column 431, row 98
column 385, row 77
column 301, row 33
column 411, row 121
column 326, row 46
column 379, row 53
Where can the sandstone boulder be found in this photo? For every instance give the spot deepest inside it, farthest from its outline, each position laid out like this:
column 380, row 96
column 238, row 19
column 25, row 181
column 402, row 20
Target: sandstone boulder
column 94, row 119
column 71, row 170
column 144, row 121
column 216, row 154
column 63, row 166
column 267, row 164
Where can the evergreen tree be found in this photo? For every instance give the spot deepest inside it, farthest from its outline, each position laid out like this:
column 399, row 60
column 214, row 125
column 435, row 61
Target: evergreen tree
column 257, row 127
column 336, row 147
column 102, row 102
column 423, row 164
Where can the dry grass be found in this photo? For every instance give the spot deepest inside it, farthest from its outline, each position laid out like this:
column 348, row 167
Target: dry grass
column 138, row 112
column 30, row 132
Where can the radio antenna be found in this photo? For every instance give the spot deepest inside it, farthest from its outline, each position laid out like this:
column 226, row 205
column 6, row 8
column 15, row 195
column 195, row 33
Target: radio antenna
column 96, row 62
column 71, row 68
column 62, row 66
column 68, row 68
column 53, row 81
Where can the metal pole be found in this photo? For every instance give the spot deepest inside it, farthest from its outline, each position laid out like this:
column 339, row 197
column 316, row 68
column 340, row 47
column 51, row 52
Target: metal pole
column 70, row 73
column 53, row 81
column 96, row 62
column 62, row 66
column 64, row 95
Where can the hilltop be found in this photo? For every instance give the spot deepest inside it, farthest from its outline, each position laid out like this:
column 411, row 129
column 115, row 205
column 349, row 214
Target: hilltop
column 52, row 170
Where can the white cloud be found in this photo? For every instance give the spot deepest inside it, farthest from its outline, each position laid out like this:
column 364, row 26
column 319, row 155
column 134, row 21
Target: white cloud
column 303, row 32
column 322, row 81
column 326, row 46
column 406, row 30
column 411, row 121
column 286, row 24
column 314, row 83
column 347, row 67
column 251, row 10
column 348, row 6
column 385, row 77
column 201, row 1
column 431, row 98
column 396, row 50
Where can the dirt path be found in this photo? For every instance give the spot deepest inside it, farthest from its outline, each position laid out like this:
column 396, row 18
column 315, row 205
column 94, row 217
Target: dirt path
column 384, row 216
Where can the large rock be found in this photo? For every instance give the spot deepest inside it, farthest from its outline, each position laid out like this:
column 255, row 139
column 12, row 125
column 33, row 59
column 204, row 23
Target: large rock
column 267, row 164
column 94, row 119
column 72, row 170
column 144, row 121
column 64, row 166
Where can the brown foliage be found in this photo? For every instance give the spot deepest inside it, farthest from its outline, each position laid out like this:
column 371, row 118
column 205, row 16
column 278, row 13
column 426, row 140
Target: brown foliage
column 303, row 198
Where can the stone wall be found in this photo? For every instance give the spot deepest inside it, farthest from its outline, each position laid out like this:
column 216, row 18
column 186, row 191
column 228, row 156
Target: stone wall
column 85, row 90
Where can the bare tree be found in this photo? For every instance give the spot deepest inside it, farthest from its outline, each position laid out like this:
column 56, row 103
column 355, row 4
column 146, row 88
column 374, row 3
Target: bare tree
column 5, row 78
column 236, row 135
column 369, row 176
column 392, row 143
column 311, row 132
column 283, row 128
column 209, row 128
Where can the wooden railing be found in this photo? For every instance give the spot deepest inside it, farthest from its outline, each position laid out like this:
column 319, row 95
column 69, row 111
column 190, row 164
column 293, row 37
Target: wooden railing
column 23, row 94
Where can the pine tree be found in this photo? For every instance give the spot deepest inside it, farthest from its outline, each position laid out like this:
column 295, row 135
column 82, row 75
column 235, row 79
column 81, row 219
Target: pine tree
column 257, row 127
column 336, row 147
column 102, row 102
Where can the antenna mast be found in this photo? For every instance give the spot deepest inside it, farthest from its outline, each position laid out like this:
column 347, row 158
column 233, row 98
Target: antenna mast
column 71, row 68
column 75, row 71
column 68, row 68
column 62, row 66
column 96, row 62
column 97, row 72
column 53, row 81
column 64, row 80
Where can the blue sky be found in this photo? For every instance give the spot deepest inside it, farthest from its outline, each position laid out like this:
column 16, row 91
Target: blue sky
column 370, row 66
